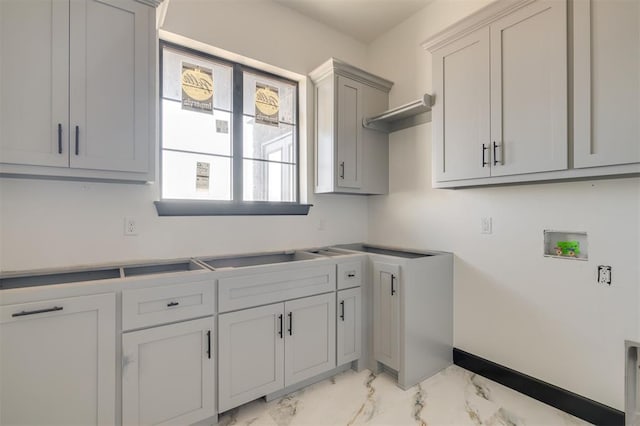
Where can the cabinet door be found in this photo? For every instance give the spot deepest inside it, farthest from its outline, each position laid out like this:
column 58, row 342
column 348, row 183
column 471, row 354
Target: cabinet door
column 109, row 85
column 386, row 313
column 58, row 362
column 310, row 337
column 349, row 133
column 529, row 89
column 349, row 329
column 251, row 354
column 168, row 374
column 34, row 89
column 461, row 112
column 606, row 40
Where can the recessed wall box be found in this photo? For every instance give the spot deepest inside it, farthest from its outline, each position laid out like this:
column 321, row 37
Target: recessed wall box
column 566, row 245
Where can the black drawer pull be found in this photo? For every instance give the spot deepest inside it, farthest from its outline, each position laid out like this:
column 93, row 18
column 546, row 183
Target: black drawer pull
column 351, row 275
column 342, row 307
column 209, row 344
column 77, row 140
column 281, row 331
column 290, row 324
column 59, row 138
column 38, row 311
column 484, row 162
column 393, row 289
column 171, row 304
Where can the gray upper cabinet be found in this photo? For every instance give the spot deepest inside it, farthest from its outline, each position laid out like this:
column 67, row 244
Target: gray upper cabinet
column 501, row 96
column 606, row 94
column 90, row 112
column 32, row 106
column 501, row 81
column 461, row 82
column 349, row 136
column 349, row 158
column 529, row 90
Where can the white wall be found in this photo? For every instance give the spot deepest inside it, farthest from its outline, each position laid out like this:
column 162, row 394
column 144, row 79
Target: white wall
column 545, row 317
column 47, row 224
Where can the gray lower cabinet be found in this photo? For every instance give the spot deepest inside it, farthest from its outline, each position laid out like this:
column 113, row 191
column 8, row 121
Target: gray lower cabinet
column 264, row 349
column 310, row 341
column 349, row 325
column 58, row 364
column 411, row 294
column 168, row 374
column 250, row 354
column 386, row 313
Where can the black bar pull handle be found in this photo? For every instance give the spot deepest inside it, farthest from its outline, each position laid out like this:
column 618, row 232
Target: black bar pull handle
column 342, row 310
column 351, row 275
column 59, row 138
column 209, row 344
column 290, row 324
column 280, row 331
column 171, row 304
column 77, row 140
column 495, row 157
column 393, row 289
column 484, row 149
column 342, row 170
column 38, row 311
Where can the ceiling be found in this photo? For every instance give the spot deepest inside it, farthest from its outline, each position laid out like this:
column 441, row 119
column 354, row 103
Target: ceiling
column 364, row 20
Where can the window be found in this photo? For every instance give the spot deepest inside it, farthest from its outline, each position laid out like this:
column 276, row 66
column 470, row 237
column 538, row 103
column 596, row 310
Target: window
column 229, row 137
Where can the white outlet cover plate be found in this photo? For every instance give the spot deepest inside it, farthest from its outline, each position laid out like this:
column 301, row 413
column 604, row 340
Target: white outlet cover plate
column 486, row 225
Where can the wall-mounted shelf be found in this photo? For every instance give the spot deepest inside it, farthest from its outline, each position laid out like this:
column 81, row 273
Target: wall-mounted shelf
column 401, row 117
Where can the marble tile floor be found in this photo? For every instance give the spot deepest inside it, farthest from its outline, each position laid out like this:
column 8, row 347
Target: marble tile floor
column 452, row 397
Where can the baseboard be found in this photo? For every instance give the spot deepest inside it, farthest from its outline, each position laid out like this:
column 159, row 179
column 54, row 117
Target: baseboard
column 562, row 399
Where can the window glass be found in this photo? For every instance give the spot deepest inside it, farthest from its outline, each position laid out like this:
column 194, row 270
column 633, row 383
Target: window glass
column 202, row 157
column 268, row 181
column 260, row 85
column 195, row 176
column 259, row 140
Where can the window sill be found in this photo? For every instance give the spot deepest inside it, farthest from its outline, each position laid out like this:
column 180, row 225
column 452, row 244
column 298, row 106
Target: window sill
column 227, row 208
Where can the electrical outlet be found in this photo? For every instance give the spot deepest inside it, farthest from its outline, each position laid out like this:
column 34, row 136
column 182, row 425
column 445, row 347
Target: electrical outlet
column 130, row 226
column 485, row 225
column 604, row 274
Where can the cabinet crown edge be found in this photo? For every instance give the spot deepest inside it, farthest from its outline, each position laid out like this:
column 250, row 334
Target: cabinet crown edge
column 473, row 22
column 152, row 3
column 337, row 66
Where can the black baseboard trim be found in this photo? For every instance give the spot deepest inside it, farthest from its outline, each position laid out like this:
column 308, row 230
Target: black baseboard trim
column 562, row 399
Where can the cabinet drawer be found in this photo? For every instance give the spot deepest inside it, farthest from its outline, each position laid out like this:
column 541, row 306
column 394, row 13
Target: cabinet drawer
column 349, row 274
column 158, row 305
column 244, row 291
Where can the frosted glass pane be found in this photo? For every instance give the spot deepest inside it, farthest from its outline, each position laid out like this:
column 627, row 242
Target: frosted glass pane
column 269, row 181
column 195, row 176
column 172, row 72
column 286, row 94
column 194, row 131
column 259, row 140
